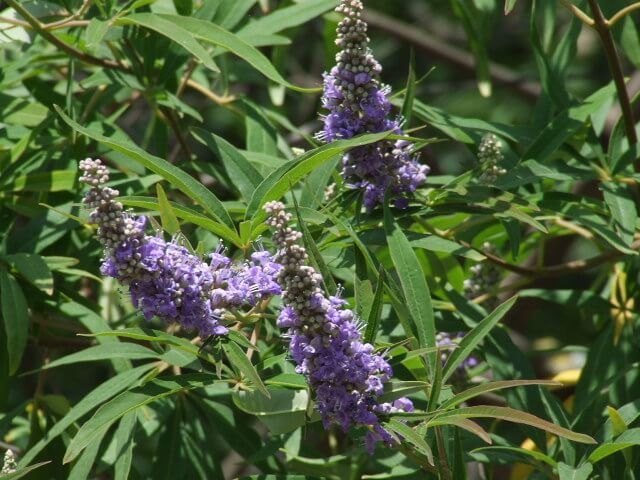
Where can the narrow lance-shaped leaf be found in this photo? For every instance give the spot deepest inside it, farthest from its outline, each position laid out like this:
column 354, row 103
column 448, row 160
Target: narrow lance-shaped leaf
column 516, row 416
column 280, row 181
column 15, row 317
column 375, row 313
column 127, row 402
column 239, row 360
column 314, row 253
column 408, row 434
column 414, row 285
column 212, row 33
column 181, row 180
column 170, row 223
column 174, row 32
column 243, row 175
column 474, row 337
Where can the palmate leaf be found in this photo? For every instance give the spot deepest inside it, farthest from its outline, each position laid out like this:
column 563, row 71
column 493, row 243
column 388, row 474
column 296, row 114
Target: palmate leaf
column 129, row 401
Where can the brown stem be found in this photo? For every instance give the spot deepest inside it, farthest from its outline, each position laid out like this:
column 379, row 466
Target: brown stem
column 601, row 25
column 573, row 266
column 455, row 56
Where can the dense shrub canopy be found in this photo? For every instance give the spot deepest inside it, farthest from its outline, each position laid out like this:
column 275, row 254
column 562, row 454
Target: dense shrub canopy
column 319, row 239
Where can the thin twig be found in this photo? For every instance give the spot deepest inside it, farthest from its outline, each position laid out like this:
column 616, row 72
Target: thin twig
column 555, row 270
column 582, row 16
column 625, row 11
column 443, row 50
column 63, row 23
column 601, row 25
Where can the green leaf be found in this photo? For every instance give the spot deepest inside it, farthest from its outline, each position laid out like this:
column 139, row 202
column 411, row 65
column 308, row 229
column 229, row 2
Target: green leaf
column 170, row 223
column 394, row 389
column 103, row 392
column 212, row 33
column 131, row 351
column 410, row 92
column 623, row 209
column 179, row 179
column 406, row 433
column 516, row 416
column 618, row 424
column 474, row 337
column 187, row 214
column 465, row 424
column 317, row 261
column 628, row 438
column 375, row 313
column 288, row 17
column 183, row 7
column 243, row 175
column 53, row 181
column 433, row 243
column 34, row 269
column 124, row 437
column 239, row 360
column 567, row 472
column 282, row 411
column 514, row 453
column 508, row 6
column 112, row 411
column 15, row 316
column 490, row 387
column 414, row 285
column 472, row 20
column 280, row 181
column 23, row 471
column 173, row 31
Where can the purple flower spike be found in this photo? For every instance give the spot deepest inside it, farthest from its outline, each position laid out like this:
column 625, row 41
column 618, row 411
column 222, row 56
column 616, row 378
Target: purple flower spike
column 346, row 374
column 358, row 103
column 164, row 278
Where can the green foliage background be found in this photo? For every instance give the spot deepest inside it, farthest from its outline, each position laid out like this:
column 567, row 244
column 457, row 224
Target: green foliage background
column 199, row 108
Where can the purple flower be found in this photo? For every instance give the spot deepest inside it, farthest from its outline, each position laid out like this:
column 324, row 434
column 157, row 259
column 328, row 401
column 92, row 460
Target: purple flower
column 358, row 103
column 346, row 374
column 165, row 279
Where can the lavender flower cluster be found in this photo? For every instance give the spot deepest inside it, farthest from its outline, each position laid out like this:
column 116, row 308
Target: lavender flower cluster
column 345, row 373
column 358, row 103
column 164, row 278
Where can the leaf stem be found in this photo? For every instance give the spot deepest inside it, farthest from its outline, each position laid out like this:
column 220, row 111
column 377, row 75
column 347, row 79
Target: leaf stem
column 625, row 11
column 602, row 26
column 582, row 16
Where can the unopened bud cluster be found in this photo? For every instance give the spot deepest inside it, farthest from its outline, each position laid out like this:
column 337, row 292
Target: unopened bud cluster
column 346, row 374
column 358, row 103
column 9, row 464
column 484, row 276
column 490, row 155
column 164, row 278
